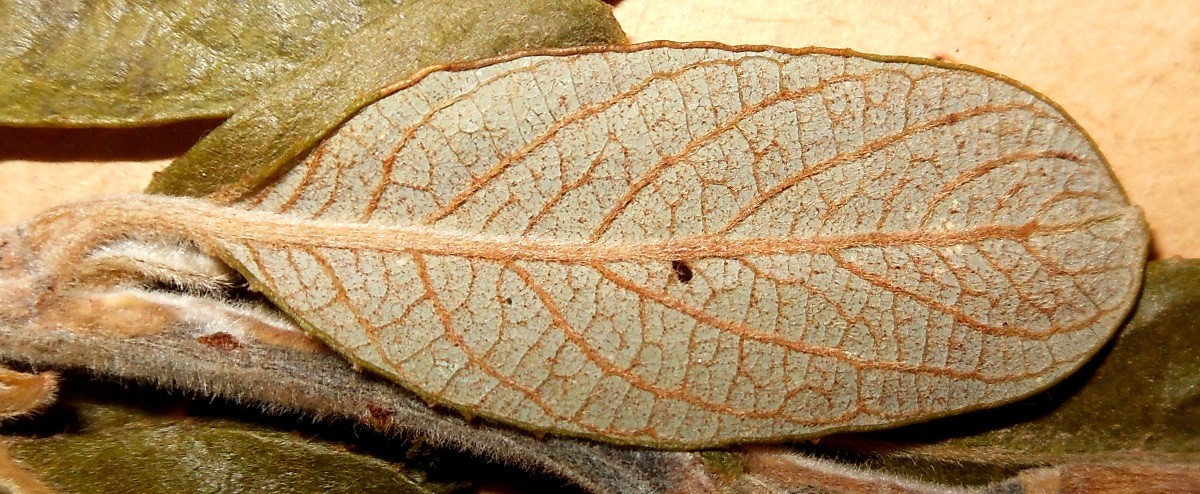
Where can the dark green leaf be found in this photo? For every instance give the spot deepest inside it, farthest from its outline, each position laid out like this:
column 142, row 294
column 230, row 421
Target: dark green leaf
column 136, row 62
column 272, row 132
column 111, row 447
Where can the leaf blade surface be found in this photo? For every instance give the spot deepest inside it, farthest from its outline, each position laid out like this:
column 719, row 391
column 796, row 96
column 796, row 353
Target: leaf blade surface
column 689, row 245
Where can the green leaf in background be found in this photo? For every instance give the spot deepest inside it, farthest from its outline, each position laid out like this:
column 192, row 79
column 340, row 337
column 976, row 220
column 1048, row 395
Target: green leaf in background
column 110, row 446
column 273, row 131
column 138, row 62
column 1138, row 401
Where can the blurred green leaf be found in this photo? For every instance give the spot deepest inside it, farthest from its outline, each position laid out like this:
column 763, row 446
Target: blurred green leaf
column 112, row 447
column 272, row 132
column 137, row 62
column 1138, row 400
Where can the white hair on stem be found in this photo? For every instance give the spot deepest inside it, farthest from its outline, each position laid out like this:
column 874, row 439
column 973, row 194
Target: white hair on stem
column 173, row 262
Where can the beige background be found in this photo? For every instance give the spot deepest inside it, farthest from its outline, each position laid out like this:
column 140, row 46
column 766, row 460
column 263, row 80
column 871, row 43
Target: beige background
column 1129, row 71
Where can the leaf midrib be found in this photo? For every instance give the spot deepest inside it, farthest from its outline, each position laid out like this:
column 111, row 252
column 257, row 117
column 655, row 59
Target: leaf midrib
column 271, row 229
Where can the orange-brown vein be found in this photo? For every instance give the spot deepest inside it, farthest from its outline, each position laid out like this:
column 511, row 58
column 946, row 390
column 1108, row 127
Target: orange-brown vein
column 434, row 110
column 552, row 130
column 868, row 148
column 610, row 368
column 746, row 331
column 669, row 161
column 982, row 169
column 448, row 328
column 269, row 229
column 958, row 315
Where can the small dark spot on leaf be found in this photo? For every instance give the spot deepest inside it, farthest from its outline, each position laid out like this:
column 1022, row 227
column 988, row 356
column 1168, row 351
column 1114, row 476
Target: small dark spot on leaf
column 378, row 413
column 507, row 300
column 220, row 340
column 683, row 272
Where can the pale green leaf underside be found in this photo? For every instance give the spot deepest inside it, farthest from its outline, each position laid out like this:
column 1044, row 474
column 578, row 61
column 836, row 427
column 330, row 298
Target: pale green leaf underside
column 688, row 246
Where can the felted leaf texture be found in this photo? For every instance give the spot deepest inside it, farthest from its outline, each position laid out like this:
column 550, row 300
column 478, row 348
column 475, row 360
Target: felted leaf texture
column 685, row 245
